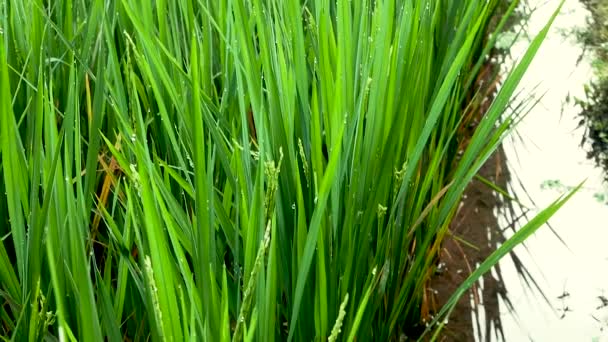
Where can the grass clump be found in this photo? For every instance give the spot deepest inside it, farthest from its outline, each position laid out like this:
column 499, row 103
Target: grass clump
column 246, row 170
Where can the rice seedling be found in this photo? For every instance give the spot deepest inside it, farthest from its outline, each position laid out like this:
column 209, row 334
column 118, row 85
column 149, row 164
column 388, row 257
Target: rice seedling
column 236, row 170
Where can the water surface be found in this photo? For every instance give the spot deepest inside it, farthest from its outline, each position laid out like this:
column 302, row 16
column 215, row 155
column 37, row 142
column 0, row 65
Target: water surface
column 545, row 154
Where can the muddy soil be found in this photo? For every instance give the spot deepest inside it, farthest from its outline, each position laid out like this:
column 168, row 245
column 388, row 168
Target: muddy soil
column 475, row 235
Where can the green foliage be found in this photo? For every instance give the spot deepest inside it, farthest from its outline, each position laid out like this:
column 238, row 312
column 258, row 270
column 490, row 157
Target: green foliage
column 595, row 35
column 594, row 105
column 594, row 117
column 247, row 170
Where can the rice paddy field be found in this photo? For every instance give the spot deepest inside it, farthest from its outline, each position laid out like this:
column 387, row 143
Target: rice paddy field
column 256, row 170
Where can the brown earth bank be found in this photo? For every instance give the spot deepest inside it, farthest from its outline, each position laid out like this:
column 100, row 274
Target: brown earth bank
column 475, row 234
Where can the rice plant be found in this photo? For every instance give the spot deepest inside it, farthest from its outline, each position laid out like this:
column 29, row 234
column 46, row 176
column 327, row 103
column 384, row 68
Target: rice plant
column 238, row 169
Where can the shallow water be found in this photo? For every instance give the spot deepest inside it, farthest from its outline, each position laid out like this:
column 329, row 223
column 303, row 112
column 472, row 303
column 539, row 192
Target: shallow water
column 547, row 160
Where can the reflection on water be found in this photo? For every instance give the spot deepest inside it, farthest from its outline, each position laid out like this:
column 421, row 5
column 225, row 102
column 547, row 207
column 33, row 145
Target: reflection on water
column 546, row 157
